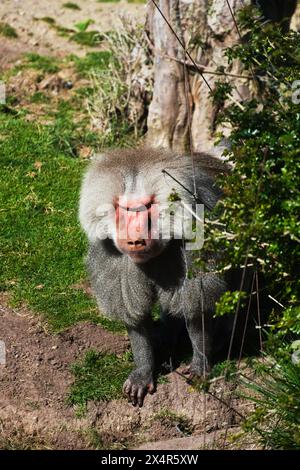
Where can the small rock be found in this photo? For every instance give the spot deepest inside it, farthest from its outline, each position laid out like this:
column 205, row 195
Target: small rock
column 68, row 85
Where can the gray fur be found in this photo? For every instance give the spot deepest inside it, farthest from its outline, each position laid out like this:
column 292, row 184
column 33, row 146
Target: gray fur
column 127, row 291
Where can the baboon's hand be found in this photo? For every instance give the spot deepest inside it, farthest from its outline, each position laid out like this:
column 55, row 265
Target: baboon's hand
column 138, row 384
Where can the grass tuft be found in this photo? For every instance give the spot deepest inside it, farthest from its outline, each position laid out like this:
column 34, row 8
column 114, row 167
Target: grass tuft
column 71, row 6
column 91, row 62
column 87, row 38
column 48, row 19
column 7, row 31
column 44, row 63
column 99, row 377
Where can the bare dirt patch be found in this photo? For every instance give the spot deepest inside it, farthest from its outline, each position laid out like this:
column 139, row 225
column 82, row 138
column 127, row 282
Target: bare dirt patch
column 36, row 35
column 36, row 379
column 10, row 52
column 34, row 384
column 54, row 86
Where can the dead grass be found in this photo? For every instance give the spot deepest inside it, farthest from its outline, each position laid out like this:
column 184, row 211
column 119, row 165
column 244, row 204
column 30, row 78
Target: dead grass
column 123, row 91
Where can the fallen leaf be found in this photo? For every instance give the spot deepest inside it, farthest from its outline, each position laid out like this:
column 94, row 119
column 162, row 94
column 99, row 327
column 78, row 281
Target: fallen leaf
column 85, row 152
column 38, row 165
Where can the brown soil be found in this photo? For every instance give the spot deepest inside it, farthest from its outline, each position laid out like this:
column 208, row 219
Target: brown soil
column 35, row 382
column 36, row 379
column 35, row 35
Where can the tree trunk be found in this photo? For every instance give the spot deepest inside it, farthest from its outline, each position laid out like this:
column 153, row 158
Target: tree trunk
column 181, row 95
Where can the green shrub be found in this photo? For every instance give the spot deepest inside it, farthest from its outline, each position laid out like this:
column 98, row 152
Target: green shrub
column 261, row 210
column 262, row 200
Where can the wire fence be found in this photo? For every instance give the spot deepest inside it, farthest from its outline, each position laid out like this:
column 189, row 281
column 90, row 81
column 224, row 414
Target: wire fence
column 223, row 401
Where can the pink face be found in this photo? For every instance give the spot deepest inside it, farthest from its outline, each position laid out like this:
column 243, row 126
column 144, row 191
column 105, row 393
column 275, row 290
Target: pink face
column 137, row 228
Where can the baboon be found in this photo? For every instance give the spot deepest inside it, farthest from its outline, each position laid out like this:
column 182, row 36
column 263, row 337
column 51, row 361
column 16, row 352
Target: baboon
column 123, row 192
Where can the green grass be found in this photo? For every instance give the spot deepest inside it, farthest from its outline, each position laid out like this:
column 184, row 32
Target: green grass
column 42, row 246
column 46, row 64
column 7, row 31
column 94, row 438
column 92, row 62
column 48, row 19
column 61, row 30
column 39, row 97
column 84, row 37
column 71, row 6
column 83, row 25
column 64, row 32
column 275, row 391
column 99, row 377
column 87, row 38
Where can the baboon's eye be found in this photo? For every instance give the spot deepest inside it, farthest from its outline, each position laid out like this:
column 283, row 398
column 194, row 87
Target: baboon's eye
column 137, row 209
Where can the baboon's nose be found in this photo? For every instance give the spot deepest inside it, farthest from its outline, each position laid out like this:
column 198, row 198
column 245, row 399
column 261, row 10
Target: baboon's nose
column 136, row 244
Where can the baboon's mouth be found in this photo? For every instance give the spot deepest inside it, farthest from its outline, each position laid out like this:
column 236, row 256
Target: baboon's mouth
column 139, row 253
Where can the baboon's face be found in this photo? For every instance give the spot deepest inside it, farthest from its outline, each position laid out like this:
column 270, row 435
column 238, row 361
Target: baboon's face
column 125, row 197
column 137, row 219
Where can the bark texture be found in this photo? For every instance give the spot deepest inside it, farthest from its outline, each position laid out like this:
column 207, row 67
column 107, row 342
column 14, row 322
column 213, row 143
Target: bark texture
column 206, row 28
